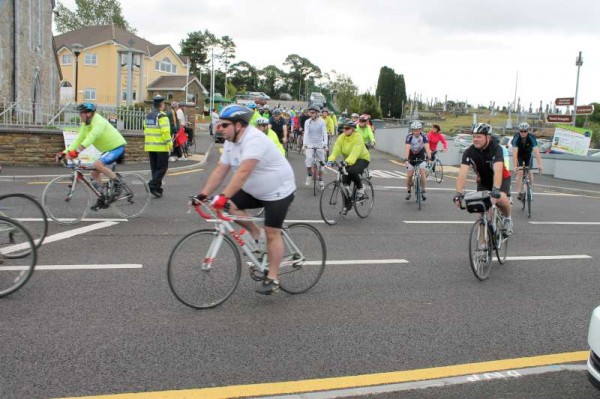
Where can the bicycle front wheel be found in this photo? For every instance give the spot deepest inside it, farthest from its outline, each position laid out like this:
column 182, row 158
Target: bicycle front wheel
column 501, row 244
column 303, row 258
column 417, row 178
column 134, row 198
column 364, row 205
column 204, row 269
column 332, row 203
column 25, row 209
column 18, row 256
column 528, row 198
column 66, row 199
column 439, row 171
column 480, row 251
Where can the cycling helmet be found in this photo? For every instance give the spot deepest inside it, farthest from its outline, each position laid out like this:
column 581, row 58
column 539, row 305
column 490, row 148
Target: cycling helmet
column 523, row 126
column 363, row 118
column 251, row 105
column 235, row 113
column 345, row 114
column 354, row 115
column 86, row 107
column 349, row 123
column 262, row 121
column 276, row 111
column 325, row 110
column 266, row 106
column 482, row 128
column 314, row 108
column 416, row 125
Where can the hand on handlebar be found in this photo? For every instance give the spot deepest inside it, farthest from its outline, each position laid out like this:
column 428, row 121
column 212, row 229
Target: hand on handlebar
column 458, row 199
column 198, row 199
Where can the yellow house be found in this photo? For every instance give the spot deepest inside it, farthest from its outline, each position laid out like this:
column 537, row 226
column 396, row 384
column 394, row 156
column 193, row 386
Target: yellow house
column 95, row 63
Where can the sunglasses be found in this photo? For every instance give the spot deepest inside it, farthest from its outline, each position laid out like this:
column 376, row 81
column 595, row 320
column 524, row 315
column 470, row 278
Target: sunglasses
column 347, row 128
column 523, row 131
column 224, row 125
column 362, row 120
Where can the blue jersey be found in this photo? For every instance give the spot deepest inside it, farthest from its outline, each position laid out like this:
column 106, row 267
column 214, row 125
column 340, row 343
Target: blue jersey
column 417, row 144
column 524, row 146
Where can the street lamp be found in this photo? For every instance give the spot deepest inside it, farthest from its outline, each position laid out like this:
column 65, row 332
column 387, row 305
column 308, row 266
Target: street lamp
column 76, row 49
column 578, row 63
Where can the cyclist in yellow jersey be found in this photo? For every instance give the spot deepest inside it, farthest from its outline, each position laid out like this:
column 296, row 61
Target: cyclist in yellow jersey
column 262, row 124
column 365, row 131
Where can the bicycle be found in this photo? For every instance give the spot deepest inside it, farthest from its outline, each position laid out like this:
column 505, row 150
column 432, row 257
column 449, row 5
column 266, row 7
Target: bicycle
column 486, row 234
column 18, row 256
column 526, row 193
column 435, row 169
column 25, row 209
column 204, row 267
column 416, row 182
column 316, row 168
column 67, row 199
column 337, row 199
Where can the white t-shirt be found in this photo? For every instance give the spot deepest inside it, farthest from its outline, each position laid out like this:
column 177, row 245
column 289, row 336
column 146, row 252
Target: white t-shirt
column 180, row 116
column 272, row 178
column 315, row 133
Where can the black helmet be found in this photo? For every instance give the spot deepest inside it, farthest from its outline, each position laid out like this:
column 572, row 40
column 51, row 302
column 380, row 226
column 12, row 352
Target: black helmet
column 482, row 128
column 86, row 107
column 235, row 113
column 349, row 123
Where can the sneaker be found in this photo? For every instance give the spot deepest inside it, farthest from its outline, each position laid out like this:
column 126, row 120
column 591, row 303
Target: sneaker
column 118, row 187
column 308, row 181
column 321, row 185
column 100, row 204
column 268, row 286
column 423, row 196
column 407, row 196
column 360, row 193
column 172, row 159
column 156, row 193
column 508, row 226
column 344, row 211
column 181, row 158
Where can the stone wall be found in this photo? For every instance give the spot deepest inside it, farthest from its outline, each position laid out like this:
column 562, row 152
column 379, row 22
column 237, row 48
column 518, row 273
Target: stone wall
column 34, row 146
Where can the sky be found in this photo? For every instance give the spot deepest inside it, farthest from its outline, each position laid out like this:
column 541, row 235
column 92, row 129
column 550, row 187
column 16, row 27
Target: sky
column 474, row 50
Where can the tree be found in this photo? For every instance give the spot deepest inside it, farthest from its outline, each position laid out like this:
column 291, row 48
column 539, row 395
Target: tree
column 244, row 76
column 226, row 55
column 391, row 92
column 301, row 69
column 271, row 80
column 369, row 105
column 90, row 13
column 197, row 46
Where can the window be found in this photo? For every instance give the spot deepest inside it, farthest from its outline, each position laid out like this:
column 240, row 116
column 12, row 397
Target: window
column 124, row 96
column 89, row 94
column 165, row 66
column 170, row 96
column 66, row 59
column 90, row 59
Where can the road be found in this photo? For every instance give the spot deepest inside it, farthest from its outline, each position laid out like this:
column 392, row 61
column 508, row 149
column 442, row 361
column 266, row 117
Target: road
column 102, row 321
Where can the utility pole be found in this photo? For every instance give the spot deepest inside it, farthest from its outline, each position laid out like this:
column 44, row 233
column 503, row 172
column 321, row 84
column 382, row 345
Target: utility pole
column 578, row 63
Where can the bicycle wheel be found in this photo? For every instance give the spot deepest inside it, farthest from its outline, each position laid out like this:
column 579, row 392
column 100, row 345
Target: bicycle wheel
column 66, row 200
column 501, row 242
column 25, row 209
column 439, row 171
column 364, row 206
column 528, row 198
column 18, row 256
column 134, row 198
column 480, row 251
column 204, row 269
column 304, row 258
column 191, row 147
column 332, row 203
column 417, row 178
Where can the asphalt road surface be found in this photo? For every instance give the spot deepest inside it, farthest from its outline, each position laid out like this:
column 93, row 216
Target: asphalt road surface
column 403, row 307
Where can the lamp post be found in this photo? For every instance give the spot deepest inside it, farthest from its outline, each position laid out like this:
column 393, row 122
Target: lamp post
column 578, row 63
column 76, row 49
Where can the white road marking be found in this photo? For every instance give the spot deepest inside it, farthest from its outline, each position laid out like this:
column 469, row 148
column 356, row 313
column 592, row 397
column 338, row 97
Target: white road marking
column 304, row 221
column 439, row 221
column 567, row 223
column 75, row 267
column 547, row 257
column 361, row 262
column 83, row 220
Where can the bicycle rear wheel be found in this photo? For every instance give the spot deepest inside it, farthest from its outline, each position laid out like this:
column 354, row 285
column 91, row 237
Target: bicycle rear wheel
column 66, row 200
column 480, row 251
column 364, row 206
column 304, row 258
column 332, row 203
column 18, row 256
column 25, row 209
column 204, row 269
column 528, row 198
column 439, row 171
column 417, row 178
column 134, row 198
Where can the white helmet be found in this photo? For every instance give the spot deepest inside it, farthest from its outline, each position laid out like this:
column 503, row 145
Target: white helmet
column 523, row 126
column 262, row 121
column 416, row 125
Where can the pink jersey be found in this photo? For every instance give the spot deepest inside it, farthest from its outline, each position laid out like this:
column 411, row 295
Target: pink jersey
column 435, row 138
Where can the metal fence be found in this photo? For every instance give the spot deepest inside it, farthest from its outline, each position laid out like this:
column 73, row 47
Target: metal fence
column 25, row 114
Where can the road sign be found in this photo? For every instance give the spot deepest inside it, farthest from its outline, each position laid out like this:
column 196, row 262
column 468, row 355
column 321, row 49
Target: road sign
column 565, row 101
column 585, row 110
column 558, row 118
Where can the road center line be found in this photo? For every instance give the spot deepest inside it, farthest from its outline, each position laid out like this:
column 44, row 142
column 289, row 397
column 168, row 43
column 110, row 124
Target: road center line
column 547, row 257
column 357, row 381
column 75, row 267
column 568, row 223
column 439, row 221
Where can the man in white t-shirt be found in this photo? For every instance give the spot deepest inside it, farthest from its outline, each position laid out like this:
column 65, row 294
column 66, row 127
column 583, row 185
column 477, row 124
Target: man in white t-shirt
column 315, row 136
column 262, row 178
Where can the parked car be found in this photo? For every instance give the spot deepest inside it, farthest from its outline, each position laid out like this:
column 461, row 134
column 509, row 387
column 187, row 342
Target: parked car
column 316, row 99
column 592, row 152
column 596, row 155
column 463, row 140
column 544, row 145
column 593, row 363
column 285, row 97
column 506, row 142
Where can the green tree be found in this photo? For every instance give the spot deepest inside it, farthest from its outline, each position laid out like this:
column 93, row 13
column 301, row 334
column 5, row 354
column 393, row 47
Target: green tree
column 346, row 92
column 197, row 47
column 244, row 76
column 369, row 105
column 300, row 70
column 272, row 80
column 90, row 13
column 391, row 91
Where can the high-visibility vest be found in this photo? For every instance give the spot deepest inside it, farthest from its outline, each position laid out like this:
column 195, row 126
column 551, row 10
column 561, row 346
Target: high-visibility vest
column 157, row 132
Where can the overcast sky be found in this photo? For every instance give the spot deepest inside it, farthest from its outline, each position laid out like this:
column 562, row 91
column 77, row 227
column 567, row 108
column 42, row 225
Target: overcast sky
column 465, row 49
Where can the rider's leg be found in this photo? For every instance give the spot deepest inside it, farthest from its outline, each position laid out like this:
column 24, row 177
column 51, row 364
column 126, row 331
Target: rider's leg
column 238, row 204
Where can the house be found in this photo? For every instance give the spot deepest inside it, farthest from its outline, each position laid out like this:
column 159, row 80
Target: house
column 29, row 71
column 110, row 63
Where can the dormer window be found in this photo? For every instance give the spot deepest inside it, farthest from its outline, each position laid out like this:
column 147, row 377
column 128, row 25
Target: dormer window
column 165, row 66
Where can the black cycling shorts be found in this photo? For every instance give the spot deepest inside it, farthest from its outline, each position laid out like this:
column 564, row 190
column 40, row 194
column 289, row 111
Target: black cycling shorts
column 275, row 211
column 504, row 187
column 524, row 160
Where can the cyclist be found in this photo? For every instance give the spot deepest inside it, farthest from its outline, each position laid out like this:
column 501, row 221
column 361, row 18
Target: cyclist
column 435, row 136
column 486, row 157
column 523, row 144
column 262, row 124
column 97, row 131
column 279, row 125
column 315, row 136
column 351, row 146
column 365, row 131
column 416, row 147
column 255, row 114
column 262, row 178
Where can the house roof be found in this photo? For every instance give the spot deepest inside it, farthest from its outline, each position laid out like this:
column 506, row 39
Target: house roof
column 93, row 35
column 176, row 82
